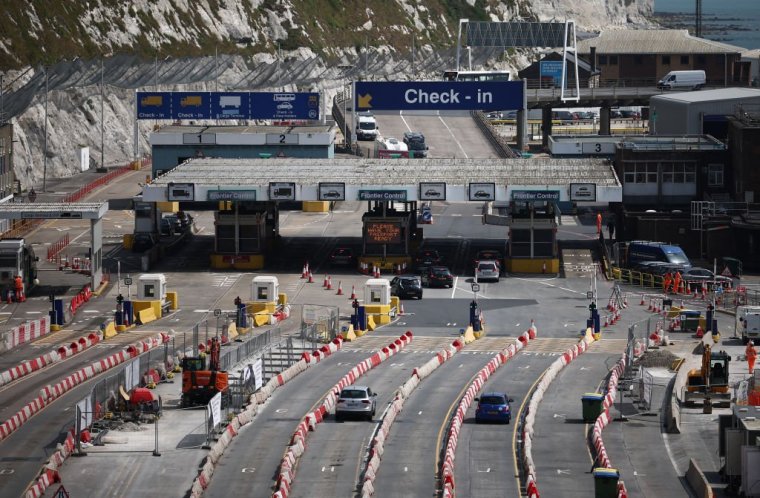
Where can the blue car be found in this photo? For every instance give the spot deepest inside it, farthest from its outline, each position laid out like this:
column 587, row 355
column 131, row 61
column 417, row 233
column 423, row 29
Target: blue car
column 493, row 407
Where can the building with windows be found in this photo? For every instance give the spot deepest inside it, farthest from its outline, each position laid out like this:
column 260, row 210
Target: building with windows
column 642, row 57
column 666, row 172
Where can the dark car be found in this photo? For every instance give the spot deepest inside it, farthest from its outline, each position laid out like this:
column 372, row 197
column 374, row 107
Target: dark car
column 331, row 194
column 428, row 257
column 437, row 276
column 406, row 286
column 482, row 194
column 487, row 254
column 493, row 407
column 342, row 256
column 143, row 241
column 431, row 192
column 415, row 141
column 696, row 275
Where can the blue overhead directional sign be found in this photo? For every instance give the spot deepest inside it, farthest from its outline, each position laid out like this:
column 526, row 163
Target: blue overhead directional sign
column 285, row 105
column 154, row 105
column 228, row 105
column 438, row 95
column 191, row 105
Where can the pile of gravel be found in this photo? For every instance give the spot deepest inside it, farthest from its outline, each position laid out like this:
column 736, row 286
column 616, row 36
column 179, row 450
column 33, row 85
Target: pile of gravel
column 653, row 358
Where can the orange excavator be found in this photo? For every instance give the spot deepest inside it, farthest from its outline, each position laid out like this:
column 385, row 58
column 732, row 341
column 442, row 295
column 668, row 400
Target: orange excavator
column 199, row 382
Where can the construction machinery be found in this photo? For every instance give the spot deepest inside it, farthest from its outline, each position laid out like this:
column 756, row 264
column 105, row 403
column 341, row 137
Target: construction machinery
column 138, row 405
column 201, row 382
column 710, row 381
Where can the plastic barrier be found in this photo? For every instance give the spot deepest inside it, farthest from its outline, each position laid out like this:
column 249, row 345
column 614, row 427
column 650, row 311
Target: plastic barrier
column 452, row 438
column 51, row 392
column 535, row 398
column 25, row 332
column 203, row 479
column 309, row 422
column 49, row 474
column 603, row 419
column 54, row 356
column 403, row 392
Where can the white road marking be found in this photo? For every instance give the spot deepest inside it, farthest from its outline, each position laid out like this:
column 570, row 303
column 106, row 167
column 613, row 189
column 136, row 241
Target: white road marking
column 454, row 137
column 559, row 415
column 486, row 471
column 454, row 287
column 406, row 469
column 563, row 471
column 419, row 412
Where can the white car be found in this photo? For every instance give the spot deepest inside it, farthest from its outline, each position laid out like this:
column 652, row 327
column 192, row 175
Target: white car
column 487, row 270
column 285, row 106
column 356, row 400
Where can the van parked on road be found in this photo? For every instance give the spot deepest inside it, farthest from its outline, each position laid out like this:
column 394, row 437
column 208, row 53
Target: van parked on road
column 683, row 79
column 639, row 251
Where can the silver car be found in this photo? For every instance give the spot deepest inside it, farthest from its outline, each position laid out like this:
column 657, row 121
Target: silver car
column 356, row 400
column 487, row 270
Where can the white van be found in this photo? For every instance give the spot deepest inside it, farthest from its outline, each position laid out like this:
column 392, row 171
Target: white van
column 366, row 127
column 683, row 79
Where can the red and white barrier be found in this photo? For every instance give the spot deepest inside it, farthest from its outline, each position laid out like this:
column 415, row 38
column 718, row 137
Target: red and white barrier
column 203, row 479
column 49, row 473
column 447, row 468
column 403, row 392
column 26, row 332
column 310, row 420
column 538, row 394
column 51, row 392
column 54, row 356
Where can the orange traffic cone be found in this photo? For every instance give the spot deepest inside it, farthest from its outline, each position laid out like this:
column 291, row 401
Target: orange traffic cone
column 340, row 288
column 311, row 278
column 400, row 308
column 700, row 332
column 353, row 293
column 642, row 300
column 305, row 272
column 606, row 321
column 329, row 283
column 324, row 282
column 377, row 272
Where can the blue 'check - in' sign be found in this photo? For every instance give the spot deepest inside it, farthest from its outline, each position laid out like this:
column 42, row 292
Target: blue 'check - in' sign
column 438, row 95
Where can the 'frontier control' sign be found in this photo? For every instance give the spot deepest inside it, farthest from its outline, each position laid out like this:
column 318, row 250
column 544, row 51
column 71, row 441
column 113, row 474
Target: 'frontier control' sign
column 382, row 195
column 535, row 195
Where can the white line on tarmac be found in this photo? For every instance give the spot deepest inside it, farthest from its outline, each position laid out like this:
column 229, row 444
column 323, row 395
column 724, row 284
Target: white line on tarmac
column 454, row 287
column 453, row 137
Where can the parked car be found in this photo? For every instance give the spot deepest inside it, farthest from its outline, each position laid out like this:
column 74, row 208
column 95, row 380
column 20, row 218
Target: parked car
column 356, row 400
column 696, row 275
column 487, row 254
column 331, row 194
column 415, row 141
column 143, row 241
column 487, row 270
column 428, row 257
column 342, row 256
column 406, row 286
column 437, row 276
column 493, row 407
column 482, row 194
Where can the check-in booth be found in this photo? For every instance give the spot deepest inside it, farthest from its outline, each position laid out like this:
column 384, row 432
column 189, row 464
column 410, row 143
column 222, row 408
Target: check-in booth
column 377, row 301
column 389, row 234
column 532, row 246
column 265, row 292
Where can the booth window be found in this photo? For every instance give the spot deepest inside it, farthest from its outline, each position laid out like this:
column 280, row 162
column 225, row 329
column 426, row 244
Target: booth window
column 375, row 297
column 150, row 290
column 263, row 294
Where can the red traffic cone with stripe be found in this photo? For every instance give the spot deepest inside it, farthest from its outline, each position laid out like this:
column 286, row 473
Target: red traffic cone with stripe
column 305, row 271
column 340, row 288
column 324, row 282
column 400, row 308
column 700, row 332
column 642, row 300
column 311, row 278
column 329, row 283
column 353, row 293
